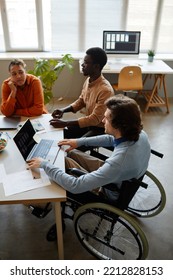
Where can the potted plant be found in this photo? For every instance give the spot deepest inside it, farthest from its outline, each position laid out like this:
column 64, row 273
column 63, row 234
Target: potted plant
column 151, row 54
column 48, row 71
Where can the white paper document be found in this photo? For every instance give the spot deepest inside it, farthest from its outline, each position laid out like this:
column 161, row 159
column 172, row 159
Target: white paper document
column 2, row 172
column 23, row 181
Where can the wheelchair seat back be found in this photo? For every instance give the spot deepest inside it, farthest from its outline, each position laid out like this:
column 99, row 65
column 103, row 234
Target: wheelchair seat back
column 126, row 192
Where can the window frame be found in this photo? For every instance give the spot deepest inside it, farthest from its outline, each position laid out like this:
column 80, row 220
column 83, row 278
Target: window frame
column 39, row 19
column 42, row 40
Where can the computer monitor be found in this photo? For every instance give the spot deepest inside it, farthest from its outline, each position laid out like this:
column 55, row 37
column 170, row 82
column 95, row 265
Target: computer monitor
column 121, row 42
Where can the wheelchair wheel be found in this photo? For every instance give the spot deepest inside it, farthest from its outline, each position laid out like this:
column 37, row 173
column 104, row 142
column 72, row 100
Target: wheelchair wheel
column 109, row 233
column 148, row 202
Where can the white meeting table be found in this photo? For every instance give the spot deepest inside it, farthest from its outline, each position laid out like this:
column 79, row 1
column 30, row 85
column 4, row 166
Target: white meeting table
column 156, row 69
column 14, row 162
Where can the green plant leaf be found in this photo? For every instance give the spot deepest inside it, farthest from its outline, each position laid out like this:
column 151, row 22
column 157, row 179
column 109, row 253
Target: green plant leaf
column 48, row 71
column 151, row 53
column 47, row 96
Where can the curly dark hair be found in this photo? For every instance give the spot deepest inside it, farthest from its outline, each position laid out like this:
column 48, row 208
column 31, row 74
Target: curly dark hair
column 98, row 56
column 16, row 62
column 125, row 116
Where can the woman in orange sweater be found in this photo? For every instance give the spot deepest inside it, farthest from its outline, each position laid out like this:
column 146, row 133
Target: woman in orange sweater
column 22, row 93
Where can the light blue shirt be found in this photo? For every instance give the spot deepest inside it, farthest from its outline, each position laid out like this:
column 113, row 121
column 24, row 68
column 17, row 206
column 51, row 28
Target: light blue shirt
column 129, row 160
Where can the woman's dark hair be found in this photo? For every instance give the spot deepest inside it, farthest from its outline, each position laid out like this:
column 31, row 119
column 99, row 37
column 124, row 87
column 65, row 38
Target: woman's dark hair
column 16, row 62
column 125, row 116
column 98, row 56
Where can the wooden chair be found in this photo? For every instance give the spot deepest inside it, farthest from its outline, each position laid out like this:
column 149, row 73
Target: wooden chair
column 129, row 79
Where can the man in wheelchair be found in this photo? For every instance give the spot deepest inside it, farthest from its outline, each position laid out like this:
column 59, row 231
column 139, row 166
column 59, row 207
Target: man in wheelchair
column 129, row 159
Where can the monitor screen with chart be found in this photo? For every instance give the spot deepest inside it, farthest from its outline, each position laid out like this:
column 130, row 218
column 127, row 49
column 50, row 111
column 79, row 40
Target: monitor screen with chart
column 121, row 42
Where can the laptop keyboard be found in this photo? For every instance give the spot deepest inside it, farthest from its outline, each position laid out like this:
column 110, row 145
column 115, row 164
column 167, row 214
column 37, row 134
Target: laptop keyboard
column 43, row 148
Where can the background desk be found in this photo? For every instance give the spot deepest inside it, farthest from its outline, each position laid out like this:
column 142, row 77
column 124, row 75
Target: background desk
column 156, row 70
column 13, row 162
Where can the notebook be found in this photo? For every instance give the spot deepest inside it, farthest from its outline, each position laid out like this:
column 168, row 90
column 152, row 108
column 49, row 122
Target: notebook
column 9, row 123
column 29, row 148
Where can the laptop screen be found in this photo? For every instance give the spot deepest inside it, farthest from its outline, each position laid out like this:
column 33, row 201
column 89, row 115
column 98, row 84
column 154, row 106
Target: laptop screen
column 24, row 139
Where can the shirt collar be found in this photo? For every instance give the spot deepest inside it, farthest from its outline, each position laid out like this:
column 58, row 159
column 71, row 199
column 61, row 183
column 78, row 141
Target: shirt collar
column 119, row 140
column 91, row 84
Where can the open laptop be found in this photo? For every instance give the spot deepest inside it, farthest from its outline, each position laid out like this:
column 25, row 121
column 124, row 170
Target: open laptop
column 9, row 123
column 29, row 148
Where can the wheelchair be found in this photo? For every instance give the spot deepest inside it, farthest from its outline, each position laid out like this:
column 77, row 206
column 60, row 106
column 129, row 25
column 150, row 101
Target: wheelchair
column 113, row 233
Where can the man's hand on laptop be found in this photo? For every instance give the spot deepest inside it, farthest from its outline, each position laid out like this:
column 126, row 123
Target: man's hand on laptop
column 68, row 144
column 34, row 162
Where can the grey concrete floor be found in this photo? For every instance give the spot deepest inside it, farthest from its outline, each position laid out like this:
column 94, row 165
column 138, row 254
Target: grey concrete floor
column 23, row 236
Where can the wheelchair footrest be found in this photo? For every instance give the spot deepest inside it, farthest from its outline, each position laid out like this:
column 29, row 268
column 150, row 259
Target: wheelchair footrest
column 39, row 212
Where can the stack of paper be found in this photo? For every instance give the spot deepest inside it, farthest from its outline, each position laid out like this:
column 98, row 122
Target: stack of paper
column 21, row 181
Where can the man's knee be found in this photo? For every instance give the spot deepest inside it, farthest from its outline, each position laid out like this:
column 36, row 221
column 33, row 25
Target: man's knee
column 71, row 163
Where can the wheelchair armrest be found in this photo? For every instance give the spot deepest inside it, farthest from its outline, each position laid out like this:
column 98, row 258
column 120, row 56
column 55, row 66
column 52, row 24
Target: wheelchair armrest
column 140, row 183
column 76, row 172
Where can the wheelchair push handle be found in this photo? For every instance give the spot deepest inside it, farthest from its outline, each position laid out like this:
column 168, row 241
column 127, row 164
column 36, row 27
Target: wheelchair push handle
column 156, row 153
